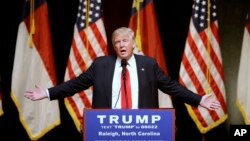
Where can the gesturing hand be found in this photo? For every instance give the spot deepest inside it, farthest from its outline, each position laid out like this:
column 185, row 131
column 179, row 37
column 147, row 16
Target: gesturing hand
column 37, row 94
column 210, row 103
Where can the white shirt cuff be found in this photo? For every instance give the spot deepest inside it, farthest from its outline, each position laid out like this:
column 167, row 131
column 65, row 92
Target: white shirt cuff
column 47, row 93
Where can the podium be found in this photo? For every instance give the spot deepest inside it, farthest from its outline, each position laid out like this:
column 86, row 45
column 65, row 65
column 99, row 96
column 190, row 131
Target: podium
column 129, row 124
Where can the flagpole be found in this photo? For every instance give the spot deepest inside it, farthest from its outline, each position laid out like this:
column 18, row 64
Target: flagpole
column 208, row 75
column 138, row 28
column 87, row 24
column 208, row 89
column 32, row 23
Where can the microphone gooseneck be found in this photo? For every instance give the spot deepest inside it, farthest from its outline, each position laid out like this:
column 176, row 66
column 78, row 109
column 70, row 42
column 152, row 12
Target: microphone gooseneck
column 124, row 64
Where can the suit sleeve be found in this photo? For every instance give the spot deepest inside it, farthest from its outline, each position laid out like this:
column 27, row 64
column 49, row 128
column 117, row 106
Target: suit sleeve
column 70, row 87
column 175, row 89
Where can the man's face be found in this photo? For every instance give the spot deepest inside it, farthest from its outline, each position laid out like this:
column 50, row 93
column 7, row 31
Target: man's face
column 123, row 46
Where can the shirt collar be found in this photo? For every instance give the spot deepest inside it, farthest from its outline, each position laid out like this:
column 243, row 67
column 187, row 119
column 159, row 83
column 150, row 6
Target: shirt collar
column 131, row 61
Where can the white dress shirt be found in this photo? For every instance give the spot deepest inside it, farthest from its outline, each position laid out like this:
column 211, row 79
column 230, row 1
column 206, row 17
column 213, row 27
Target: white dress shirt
column 116, row 85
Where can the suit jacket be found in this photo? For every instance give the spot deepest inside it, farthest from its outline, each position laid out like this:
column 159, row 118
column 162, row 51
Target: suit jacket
column 100, row 76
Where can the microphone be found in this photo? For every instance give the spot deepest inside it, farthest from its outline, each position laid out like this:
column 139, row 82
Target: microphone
column 124, row 64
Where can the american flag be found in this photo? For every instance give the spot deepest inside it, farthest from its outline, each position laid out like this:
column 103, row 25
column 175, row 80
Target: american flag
column 89, row 42
column 144, row 23
column 243, row 92
column 201, row 68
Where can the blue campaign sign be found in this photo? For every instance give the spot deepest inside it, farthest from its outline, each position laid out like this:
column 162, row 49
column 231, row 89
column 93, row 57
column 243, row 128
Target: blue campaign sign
column 129, row 125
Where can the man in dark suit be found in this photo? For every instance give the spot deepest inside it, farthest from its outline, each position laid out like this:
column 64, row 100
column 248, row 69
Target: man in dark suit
column 105, row 74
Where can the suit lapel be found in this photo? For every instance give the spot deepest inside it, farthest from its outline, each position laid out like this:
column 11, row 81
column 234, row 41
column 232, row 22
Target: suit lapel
column 109, row 73
column 141, row 76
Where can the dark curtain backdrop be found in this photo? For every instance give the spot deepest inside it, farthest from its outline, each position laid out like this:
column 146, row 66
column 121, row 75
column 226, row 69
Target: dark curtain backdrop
column 173, row 19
